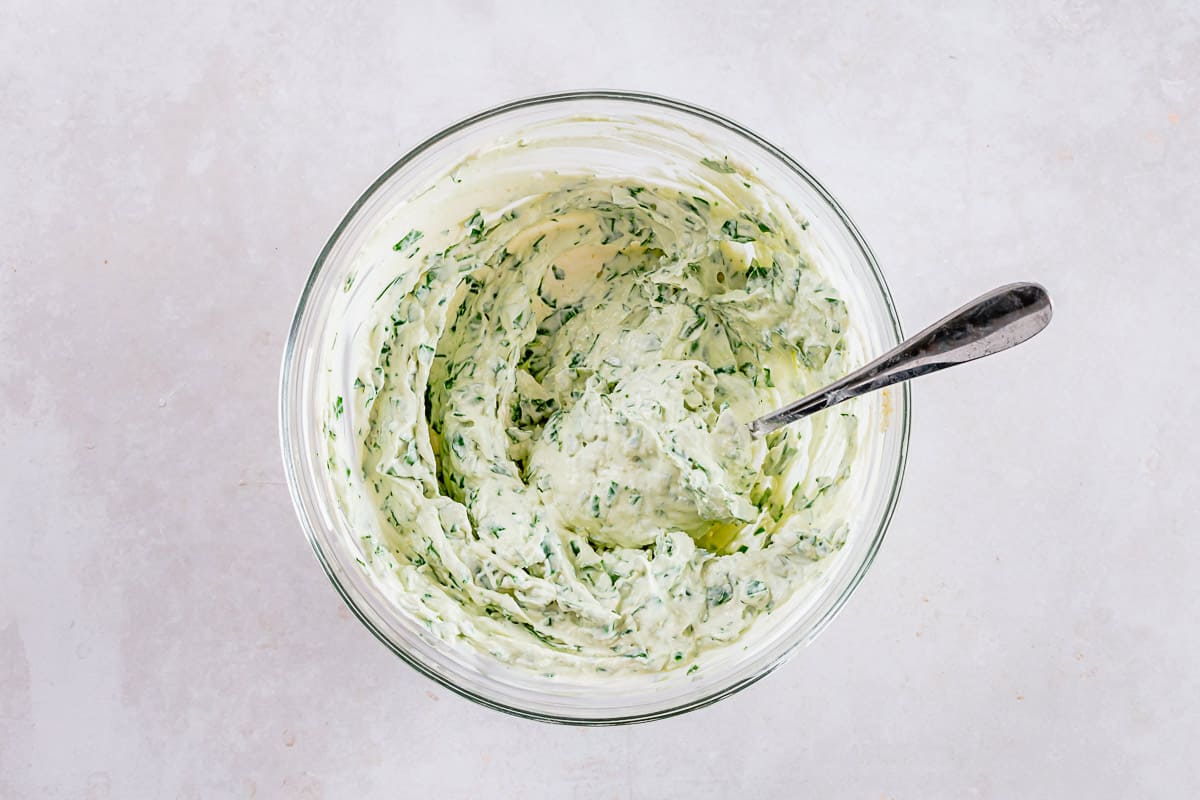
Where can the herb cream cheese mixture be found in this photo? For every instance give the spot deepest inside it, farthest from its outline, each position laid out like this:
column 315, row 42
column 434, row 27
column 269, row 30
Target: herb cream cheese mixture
column 539, row 440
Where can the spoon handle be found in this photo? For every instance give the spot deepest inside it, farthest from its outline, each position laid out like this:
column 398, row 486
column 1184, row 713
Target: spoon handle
column 992, row 322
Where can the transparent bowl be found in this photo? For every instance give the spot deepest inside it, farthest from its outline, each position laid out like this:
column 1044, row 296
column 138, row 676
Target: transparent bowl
column 625, row 120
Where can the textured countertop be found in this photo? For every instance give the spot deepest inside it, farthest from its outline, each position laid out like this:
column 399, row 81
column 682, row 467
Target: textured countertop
column 168, row 172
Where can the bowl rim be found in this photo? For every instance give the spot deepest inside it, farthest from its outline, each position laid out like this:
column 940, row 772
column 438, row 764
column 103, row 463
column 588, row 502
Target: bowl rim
column 290, row 460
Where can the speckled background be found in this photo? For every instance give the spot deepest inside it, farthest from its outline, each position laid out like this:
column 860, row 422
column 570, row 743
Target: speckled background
column 169, row 171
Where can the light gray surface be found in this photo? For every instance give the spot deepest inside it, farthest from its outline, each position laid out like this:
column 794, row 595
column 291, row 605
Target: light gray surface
column 168, row 176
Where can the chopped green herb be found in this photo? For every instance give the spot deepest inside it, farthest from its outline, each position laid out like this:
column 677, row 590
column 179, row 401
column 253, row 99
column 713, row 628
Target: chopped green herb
column 730, row 229
column 474, row 227
column 717, row 595
column 412, row 237
column 718, row 166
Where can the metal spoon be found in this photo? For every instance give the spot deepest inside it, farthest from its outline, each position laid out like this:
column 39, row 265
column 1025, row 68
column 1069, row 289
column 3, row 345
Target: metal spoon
column 996, row 321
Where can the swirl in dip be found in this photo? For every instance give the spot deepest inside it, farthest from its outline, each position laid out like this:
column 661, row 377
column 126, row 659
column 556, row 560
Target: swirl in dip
column 539, row 437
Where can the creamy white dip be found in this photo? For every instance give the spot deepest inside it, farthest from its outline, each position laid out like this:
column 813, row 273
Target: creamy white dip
column 539, row 440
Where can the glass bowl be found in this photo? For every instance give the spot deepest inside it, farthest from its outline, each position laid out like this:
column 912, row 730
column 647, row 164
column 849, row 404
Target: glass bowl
column 626, row 122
